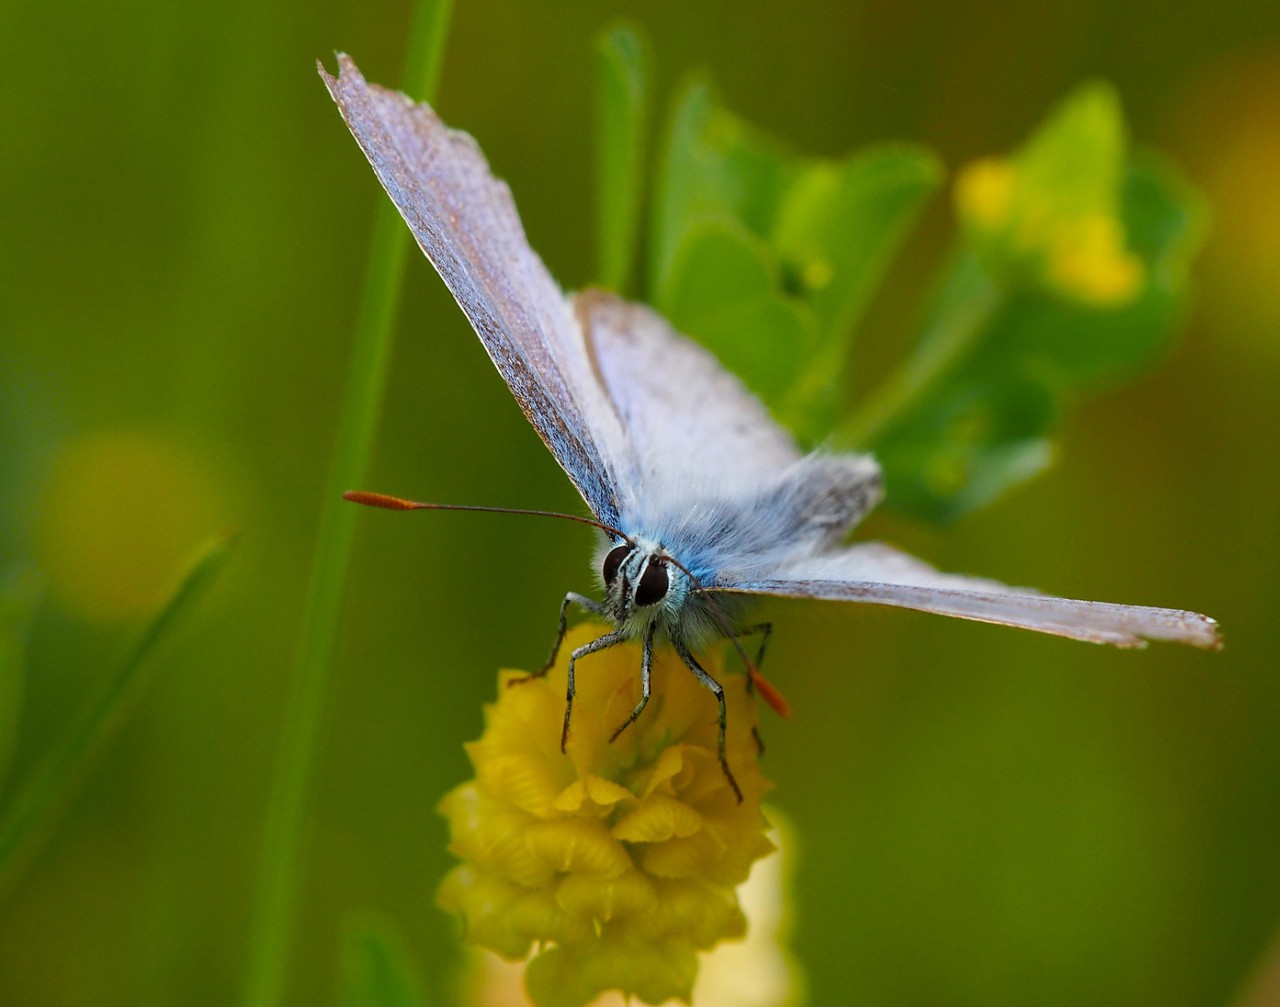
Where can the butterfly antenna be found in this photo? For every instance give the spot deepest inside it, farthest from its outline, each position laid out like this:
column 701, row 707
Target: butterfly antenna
column 388, row 502
column 771, row 695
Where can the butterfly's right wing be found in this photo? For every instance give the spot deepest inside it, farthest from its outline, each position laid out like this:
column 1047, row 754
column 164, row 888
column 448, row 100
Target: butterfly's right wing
column 466, row 222
column 880, row 575
column 691, row 423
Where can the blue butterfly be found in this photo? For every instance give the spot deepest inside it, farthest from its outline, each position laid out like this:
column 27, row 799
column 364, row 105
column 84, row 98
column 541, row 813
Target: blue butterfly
column 705, row 502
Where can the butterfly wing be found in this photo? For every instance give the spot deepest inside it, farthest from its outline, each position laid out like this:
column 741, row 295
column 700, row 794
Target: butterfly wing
column 465, row 220
column 880, row 575
column 691, row 423
column 682, row 410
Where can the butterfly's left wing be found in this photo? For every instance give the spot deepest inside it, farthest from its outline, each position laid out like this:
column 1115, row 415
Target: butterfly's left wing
column 465, row 220
column 881, row 575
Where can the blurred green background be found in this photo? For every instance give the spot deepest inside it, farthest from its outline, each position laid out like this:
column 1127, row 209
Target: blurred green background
column 984, row 817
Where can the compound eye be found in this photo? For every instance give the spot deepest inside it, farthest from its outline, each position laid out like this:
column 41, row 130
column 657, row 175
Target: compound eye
column 653, row 584
column 613, row 561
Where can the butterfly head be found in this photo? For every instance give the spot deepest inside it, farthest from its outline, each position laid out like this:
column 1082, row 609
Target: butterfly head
column 642, row 582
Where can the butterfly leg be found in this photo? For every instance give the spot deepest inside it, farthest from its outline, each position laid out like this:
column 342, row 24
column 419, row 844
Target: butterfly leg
column 646, row 675
column 718, row 691
column 765, row 629
column 603, row 643
column 572, row 598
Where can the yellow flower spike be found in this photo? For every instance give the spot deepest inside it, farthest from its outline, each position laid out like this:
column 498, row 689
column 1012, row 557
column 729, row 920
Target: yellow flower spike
column 618, row 861
column 756, row 972
column 1090, row 261
column 483, row 902
column 490, row 834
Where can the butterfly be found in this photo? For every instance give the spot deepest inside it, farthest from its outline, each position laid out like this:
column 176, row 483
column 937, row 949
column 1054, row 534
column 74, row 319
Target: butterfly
column 705, row 502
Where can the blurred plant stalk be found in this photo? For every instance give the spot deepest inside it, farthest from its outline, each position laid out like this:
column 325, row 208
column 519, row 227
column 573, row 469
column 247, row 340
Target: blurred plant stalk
column 283, row 849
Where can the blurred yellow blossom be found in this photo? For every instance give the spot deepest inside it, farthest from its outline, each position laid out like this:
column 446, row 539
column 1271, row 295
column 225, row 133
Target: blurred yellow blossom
column 117, row 519
column 619, row 861
column 1050, row 215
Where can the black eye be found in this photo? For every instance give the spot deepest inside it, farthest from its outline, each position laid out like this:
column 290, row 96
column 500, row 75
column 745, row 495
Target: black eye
column 613, row 561
column 653, row 584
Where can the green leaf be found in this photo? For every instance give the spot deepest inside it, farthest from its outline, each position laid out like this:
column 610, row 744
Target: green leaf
column 18, row 598
column 1070, row 274
column 724, row 290
column 716, row 169
column 377, row 971
column 768, row 258
column 622, row 111
column 1076, row 158
column 33, row 812
column 837, row 230
column 986, row 432
column 1166, row 219
column 1098, row 345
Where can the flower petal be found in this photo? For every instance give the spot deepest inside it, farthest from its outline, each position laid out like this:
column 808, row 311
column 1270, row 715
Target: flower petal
column 657, row 818
column 579, row 845
column 604, row 900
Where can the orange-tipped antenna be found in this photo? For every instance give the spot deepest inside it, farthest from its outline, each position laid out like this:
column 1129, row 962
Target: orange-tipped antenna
column 388, row 502
column 769, row 692
column 384, row 500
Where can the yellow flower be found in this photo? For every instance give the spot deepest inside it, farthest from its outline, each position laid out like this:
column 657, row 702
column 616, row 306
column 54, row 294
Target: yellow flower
column 1050, row 215
column 756, row 972
column 619, row 861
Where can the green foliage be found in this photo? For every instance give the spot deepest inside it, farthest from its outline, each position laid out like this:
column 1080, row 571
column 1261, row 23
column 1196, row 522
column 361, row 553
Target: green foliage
column 29, row 814
column 622, row 93
column 769, row 258
column 277, row 892
column 1012, row 338
column 17, row 603
column 1068, row 272
column 377, row 971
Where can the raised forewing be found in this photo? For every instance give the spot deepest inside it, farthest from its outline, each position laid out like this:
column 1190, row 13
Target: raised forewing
column 466, row 222
column 880, row 575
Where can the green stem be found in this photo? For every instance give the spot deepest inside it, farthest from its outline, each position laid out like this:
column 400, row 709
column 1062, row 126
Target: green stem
column 32, row 813
column 966, row 308
column 283, row 853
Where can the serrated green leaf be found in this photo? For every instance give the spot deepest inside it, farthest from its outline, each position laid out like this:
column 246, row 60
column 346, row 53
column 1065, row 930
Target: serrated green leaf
column 29, row 816
column 377, row 971
column 622, row 112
